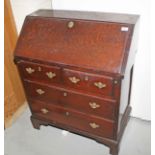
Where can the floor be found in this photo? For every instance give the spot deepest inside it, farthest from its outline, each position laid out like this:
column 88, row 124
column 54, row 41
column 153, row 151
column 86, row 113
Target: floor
column 23, row 139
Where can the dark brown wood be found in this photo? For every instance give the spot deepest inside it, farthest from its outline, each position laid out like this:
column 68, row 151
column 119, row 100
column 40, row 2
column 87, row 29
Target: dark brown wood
column 72, row 118
column 66, row 98
column 98, row 44
column 48, row 94
column 76, row 68
column 40, row 72
column 87, row 81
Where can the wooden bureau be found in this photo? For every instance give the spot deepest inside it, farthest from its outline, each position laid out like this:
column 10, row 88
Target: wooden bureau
column 76, row 68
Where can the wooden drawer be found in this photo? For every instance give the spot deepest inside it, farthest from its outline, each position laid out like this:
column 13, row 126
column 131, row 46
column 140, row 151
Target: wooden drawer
column 89, row 104
column 41, row 92
column 73, row 119
column 89, row 82
column 39, row 72
column 71, row 99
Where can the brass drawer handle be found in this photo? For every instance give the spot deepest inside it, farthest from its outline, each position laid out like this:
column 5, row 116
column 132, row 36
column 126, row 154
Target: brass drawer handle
column 70, row 24
column 100, row 85
column 50, row 75
column 94, row 125
column 44, row 111
column 74, row 79
column 40, row 91
column 29, row 70
column 94, row 105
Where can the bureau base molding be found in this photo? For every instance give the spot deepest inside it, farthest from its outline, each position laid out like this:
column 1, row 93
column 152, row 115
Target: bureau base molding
column 112, row 144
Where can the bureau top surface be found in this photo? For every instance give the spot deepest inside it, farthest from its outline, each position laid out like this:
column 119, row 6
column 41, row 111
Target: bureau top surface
column 86, row 15
column 83, row 39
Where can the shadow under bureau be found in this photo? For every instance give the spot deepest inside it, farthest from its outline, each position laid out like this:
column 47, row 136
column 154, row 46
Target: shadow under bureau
column 76, row 69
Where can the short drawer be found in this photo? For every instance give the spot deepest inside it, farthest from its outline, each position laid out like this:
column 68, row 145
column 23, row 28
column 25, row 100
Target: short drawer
column 73, row 119
column 72, row 99
column 41, row 92
column 39, row 72
column 88, row 81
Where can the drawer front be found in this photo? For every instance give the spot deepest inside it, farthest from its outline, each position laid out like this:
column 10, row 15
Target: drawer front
column 72, row 100
column 39, row 72
column 89, row 82
column 70, row 118
column 89, row 104
column 41, row 92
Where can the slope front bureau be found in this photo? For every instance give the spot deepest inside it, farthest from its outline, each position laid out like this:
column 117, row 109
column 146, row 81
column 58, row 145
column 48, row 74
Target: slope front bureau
column 76, row 69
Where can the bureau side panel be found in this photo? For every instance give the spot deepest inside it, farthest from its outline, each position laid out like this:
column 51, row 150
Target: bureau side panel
column 127, row 81
column 124, row 99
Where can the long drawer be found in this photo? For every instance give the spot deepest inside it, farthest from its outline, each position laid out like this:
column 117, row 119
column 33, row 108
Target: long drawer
column 94, row 125
column 72, row 99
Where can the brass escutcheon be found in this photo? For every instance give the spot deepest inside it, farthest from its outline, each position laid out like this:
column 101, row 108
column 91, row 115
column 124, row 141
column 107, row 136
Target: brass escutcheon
column 86, row 78
column 65, row 94
column 115, row 82
column 39, row 69
column 70, row 24
column 67, row 113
